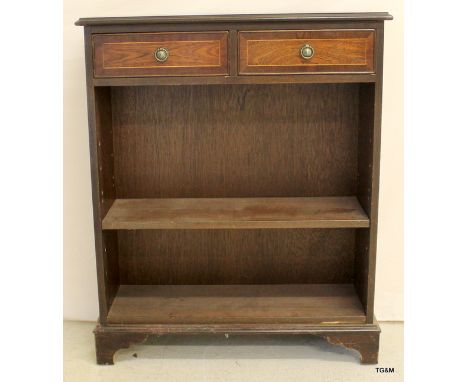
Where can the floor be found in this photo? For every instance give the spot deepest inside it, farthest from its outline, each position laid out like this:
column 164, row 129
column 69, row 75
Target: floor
column 217, row 358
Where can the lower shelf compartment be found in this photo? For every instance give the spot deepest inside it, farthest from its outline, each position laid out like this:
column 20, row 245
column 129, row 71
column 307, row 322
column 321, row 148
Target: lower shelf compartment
column 236, row 304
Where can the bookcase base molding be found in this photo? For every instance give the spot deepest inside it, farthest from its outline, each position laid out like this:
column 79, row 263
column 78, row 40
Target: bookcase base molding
column 364, row 339
column 235, row 175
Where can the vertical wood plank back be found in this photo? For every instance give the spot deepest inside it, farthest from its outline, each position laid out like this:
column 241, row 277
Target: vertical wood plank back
column 236, row 256
column 250, row 141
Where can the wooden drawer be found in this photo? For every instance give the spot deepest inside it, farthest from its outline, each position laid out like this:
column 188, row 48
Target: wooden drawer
column 333, row 51
column 133, row 54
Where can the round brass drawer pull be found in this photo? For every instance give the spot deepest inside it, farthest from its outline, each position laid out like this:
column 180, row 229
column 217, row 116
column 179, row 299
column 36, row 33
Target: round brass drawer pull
column 307, row 52
column 161, row 54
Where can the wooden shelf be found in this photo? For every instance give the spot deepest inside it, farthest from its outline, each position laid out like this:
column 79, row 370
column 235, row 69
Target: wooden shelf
column 236, row 213
column 236, row 304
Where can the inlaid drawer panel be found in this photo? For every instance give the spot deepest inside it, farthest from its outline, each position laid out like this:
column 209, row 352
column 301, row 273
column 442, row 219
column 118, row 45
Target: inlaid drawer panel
column 306, row 51
column 160, row 54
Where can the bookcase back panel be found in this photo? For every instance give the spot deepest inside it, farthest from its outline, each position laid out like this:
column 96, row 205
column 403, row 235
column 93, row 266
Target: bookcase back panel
column 236, row 256
column 235, row 141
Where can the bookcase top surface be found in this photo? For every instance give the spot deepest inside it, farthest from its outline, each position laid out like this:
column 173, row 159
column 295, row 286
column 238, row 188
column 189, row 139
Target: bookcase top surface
column 297, row 17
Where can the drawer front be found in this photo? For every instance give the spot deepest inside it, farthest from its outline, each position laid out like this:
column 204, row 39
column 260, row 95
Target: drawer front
column 179, row 54
column 306, row 51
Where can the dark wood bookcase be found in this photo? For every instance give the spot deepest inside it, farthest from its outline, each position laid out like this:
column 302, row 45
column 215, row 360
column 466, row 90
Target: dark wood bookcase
column 235, row 174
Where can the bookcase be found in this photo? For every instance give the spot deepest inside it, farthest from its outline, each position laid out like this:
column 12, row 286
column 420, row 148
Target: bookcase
column 235, row 174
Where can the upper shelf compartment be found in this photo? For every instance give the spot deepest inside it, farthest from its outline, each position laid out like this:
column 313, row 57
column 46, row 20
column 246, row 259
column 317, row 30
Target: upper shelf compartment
column 236, row 213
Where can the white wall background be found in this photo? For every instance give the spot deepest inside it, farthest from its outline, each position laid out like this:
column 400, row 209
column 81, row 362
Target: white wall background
column 80, row 286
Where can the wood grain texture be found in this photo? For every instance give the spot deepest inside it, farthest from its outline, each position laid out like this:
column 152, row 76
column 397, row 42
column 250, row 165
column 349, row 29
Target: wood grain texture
column 294, row 133
column 370, row 116
column 251, row 141
column 111, row 268
column 238, row 26
column 272, row 256
column 196, row 304
column 107, row 343
column 317, row 78
column 235, row 213
column 242, row 328
column 364, row 193
column 357, row 336
column 336, row 51
column 105, row 149
column 103, row 190
column 132, row 54
column 366, row 343
column 104, row 163
column 255, row 18
column 375, row 112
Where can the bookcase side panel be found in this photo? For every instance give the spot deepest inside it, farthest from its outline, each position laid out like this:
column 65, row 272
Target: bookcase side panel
column 370, row 114
column 102, row 182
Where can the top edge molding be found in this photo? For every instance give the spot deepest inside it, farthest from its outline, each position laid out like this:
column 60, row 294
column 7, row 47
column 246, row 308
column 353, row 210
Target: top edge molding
column 297, row 17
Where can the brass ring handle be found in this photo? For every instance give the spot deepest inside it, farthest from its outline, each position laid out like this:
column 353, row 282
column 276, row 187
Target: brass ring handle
column 161, row 54
column 307, row 51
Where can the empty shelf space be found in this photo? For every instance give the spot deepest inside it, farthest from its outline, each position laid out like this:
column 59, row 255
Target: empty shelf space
column 236, row 304
column 236, row 213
